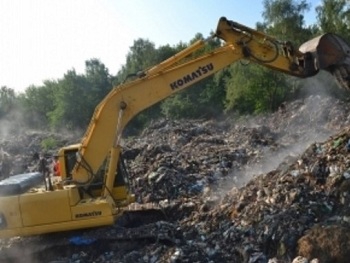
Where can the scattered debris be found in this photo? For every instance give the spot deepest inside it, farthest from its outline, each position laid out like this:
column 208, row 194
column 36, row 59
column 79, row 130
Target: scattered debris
column 265, row 189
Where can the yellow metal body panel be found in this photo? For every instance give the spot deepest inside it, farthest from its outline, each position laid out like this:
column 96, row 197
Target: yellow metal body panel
column 9, row 207
column 57, row 227
column 45, row 207
column 47, row 212
column 92, row 207
column 119, row 194
column 73, row 194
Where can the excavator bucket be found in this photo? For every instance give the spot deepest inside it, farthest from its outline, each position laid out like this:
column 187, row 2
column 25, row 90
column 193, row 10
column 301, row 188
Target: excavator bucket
column 331, row 53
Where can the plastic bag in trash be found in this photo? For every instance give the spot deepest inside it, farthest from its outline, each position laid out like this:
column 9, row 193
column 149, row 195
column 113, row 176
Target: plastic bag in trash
column 77, row 240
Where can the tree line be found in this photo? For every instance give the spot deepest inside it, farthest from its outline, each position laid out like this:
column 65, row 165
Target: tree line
column 68, row 103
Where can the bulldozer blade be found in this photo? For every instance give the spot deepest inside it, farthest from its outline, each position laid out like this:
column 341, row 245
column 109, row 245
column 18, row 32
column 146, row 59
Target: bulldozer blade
column 331, row 53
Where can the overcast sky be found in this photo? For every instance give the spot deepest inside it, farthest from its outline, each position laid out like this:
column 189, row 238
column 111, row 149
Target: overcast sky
column 42, row 39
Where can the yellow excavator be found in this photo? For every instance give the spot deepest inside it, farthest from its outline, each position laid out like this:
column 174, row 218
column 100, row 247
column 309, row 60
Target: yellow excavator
column 93, row 190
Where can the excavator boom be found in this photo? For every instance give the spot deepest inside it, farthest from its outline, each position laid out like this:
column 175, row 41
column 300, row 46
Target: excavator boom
column 94, row 190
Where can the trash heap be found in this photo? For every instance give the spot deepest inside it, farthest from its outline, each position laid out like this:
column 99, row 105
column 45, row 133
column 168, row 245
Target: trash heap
column 265, row 189
column 18, row 150
column 299, row 209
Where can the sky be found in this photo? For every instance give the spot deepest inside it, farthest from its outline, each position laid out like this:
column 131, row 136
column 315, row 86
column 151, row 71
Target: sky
column 43, row 39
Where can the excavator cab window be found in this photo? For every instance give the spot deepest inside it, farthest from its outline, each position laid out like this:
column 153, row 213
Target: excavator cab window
column 70, row 157
column 122, row 176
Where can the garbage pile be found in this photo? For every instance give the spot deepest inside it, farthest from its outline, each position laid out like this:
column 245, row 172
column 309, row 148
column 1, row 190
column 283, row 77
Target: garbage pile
column 19, row 152
column 265, row 189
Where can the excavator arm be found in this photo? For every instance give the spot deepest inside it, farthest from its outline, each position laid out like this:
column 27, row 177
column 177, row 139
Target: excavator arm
column 176, row 74
column 79, row 201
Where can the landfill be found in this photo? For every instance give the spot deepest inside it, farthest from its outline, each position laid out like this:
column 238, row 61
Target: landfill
column 262, row 189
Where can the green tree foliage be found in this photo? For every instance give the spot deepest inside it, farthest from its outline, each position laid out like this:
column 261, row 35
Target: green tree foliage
column 253, row 89
column 49, row 143
column 285, row 20
column 99, row 83
column 334, row 16
column 256, row 89
column 7, row 100
column 141, row 56
column 37, row 103
column 11, row 117
column 70, row 111
column 69, row 102
column 77, row 95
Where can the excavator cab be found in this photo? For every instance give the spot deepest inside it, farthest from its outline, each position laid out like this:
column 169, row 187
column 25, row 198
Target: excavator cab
column 93, row 187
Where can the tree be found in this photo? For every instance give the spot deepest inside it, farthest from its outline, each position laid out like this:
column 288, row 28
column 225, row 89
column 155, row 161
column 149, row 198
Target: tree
column 76, row 95
column 334, row 16
column 99, row 82
column 7, row 100
column 141, row 56
column 37, row 103
column 71, row 110
column 284, row 19
column 255, row 89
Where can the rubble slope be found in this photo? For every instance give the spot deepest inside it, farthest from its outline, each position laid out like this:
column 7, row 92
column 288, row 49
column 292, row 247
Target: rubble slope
column 259, row 189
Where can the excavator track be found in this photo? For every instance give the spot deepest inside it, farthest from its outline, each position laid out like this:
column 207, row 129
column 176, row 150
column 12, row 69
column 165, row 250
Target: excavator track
column 136, row 214
column 145, row 225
